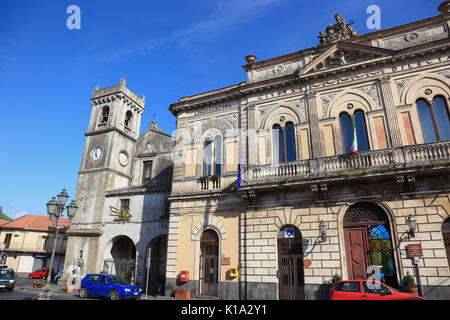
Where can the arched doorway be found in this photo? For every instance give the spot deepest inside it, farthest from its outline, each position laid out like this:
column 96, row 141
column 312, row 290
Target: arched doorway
column 446, row 238
column 209, row 263
column 291, row 281
column 368, row 242
column 156, row 277
column 123, row 253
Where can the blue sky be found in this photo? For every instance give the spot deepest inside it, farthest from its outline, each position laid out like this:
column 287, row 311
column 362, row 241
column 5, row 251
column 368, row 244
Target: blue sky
column 164, row 49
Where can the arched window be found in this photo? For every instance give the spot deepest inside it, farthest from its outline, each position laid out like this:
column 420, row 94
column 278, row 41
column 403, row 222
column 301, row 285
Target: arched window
column 212, row 162
column 348, row 125
column 426, row 121
column 128, row 118
column 218, row 155
column 278, row 144
column 442, row 118
column 361, row 131
column 284, row 143
column 105, row 115
column 346, row 131
column 207, row 161
column 289, row 135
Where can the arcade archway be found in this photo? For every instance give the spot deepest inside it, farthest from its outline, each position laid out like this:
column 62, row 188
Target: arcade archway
column 123, row 263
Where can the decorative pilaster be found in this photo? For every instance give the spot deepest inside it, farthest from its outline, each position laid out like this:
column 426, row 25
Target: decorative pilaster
column 314, row 124
column 392, row 120
column 251, row 132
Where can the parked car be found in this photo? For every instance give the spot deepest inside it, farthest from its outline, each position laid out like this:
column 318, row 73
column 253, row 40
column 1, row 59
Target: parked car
column 7, row 279
column 58, row 276
column 367, row 290
column 111, row 286
column 41, row 273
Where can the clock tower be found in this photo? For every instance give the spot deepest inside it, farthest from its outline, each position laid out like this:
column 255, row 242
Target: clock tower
column 106, row 164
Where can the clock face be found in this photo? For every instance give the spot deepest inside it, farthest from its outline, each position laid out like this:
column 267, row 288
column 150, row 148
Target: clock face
column 96, row 153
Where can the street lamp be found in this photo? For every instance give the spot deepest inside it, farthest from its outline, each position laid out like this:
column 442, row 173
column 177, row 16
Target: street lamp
column 323, row 230
column 412, row 223
column 55, row 211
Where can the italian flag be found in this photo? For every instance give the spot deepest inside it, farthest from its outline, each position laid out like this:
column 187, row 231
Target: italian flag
column 354, row 147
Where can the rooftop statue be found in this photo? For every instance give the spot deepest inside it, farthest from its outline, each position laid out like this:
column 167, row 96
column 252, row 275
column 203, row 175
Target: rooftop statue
column 339, row 31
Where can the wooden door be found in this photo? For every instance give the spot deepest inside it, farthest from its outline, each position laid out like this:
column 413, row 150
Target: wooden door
column 446, row 236
column 290, row 269
column 209, row 264
column 356, row 244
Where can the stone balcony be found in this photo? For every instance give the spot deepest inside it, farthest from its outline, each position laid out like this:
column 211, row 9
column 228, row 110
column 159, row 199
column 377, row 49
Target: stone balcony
column 397, row 161
column 363, row 163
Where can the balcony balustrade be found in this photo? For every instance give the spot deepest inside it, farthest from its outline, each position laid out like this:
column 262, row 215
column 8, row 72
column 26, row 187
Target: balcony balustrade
column 363, row 162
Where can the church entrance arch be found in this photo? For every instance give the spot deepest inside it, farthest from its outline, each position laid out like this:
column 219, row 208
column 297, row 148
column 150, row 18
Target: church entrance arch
column 368, row 242
column 123, row 258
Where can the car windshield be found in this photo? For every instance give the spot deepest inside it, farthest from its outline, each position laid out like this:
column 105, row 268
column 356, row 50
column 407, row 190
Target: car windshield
column 118, row 280
column 6, row 274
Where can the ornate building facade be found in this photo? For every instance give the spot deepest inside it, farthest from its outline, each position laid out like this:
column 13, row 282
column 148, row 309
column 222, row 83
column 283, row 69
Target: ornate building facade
column 302, row 208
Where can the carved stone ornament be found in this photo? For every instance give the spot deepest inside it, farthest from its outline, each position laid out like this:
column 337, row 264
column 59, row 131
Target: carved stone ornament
column 339, row 31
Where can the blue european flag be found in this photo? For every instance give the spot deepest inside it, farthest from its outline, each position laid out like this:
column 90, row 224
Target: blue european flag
column 239, row 168
column 239, row 176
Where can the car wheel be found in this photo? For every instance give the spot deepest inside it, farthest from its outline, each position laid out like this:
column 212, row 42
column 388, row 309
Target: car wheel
column 83, row 293
column 114, row 295
column 11, row 289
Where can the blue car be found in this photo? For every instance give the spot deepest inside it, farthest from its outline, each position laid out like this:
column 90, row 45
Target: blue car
column 108, row 286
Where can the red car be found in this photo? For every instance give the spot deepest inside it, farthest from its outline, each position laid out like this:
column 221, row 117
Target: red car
column 367, row 290
column 40, row 273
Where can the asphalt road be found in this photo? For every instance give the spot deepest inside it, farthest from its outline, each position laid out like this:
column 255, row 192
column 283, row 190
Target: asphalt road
column 24, row 291
column 19, row 294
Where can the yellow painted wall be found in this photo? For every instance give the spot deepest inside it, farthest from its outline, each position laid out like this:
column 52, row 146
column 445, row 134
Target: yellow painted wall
column 190, row 162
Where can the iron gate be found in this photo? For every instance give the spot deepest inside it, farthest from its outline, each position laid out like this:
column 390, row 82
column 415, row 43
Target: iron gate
column 290, row 267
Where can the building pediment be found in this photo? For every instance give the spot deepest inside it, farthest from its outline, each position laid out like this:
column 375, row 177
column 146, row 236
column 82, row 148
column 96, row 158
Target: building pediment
column 343, row 54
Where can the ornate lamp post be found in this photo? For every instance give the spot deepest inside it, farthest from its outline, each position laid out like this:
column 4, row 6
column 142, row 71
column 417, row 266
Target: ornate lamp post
column 323, row 230
column 412, row 223
column 55, row 210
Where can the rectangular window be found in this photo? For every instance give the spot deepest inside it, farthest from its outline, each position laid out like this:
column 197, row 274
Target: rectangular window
column 44, row 242
column 124, row 204
column 92, row 279
column 7, row 241
column 147, row 172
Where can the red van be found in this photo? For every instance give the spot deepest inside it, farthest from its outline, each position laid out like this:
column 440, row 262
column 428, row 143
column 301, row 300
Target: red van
column 367, row 290
column 40, row 273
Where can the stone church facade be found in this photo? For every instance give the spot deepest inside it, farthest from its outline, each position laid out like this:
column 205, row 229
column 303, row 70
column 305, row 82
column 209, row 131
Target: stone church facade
column 123, row 185
column 259, row 194
column 291, row 126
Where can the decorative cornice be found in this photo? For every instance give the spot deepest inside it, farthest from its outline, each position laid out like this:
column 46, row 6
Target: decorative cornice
column 370, row 68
